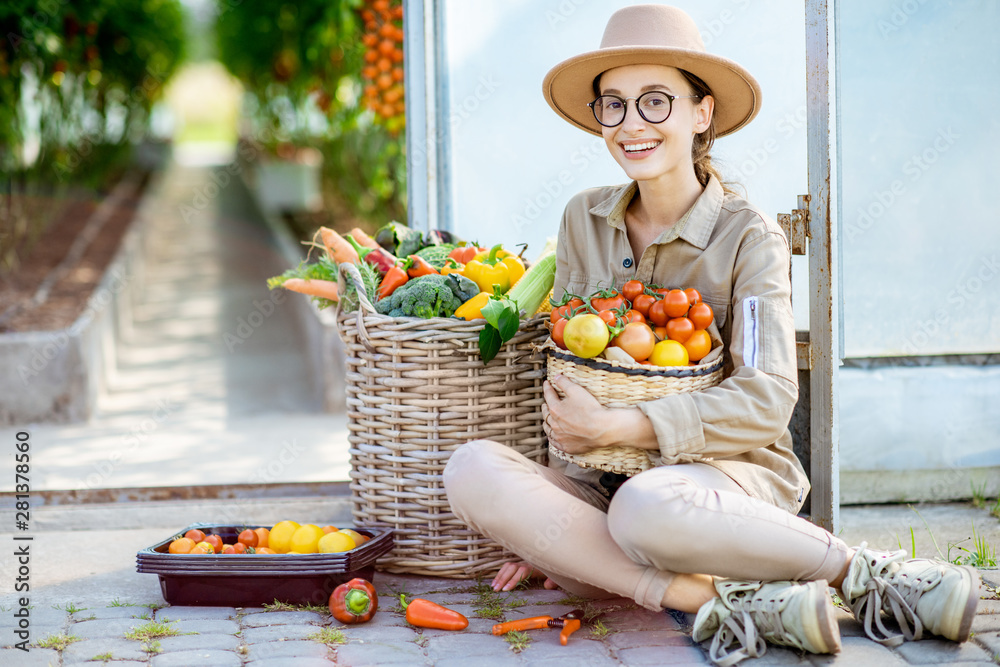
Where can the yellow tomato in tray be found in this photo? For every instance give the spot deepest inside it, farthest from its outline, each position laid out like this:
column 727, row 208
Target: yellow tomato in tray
column 305, row 539
column 336, row 542
column 586, row 335
column 280, row 537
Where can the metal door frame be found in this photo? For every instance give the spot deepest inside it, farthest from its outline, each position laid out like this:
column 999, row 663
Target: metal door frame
column 429, row 203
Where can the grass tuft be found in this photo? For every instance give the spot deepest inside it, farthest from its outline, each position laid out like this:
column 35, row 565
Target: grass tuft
column 153, row 630
column 103, row 657
column 328, row 636
column 518, row 640
column 598, row 630
column 285, row 606
column 59, row 642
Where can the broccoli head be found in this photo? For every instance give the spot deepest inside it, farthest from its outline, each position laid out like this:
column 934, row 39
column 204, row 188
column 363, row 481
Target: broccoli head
column 426, row 296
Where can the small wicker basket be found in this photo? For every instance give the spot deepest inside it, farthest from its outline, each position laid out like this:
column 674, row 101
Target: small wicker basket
column 417, row 390
column 617, row 385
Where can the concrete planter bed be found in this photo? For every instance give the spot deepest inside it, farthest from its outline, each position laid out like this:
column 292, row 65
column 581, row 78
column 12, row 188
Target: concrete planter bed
column 55, row 376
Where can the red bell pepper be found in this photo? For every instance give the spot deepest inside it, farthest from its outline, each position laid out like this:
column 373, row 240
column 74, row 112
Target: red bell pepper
column 354, row 602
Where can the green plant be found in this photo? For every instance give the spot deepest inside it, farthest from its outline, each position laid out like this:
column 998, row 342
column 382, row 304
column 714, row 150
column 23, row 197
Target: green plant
column 420, row 640
column 518, row 640
column 995, row 511
column 493, row 605
column 152, row 647
column 69, row 608
column 978, row 494
column 153, row 630
column 118, row 603
column 59, row 642
column 103, row 657
column 328, row 636
column 598, row 630
column 284, row 606
column 982, row 553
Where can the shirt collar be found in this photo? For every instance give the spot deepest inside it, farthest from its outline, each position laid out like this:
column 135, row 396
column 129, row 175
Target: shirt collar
column 700, row 218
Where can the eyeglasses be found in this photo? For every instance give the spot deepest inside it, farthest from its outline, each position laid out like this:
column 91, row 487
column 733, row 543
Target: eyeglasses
column 654, row 107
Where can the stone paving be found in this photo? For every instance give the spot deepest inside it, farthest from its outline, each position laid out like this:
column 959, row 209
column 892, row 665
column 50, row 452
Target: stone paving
column 619, row 634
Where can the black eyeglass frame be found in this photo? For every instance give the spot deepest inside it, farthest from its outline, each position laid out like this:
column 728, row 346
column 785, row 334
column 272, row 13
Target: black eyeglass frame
column 624, row 101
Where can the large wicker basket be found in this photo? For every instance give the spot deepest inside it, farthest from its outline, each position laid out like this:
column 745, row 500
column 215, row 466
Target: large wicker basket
column 416, row 390
column 617, row 385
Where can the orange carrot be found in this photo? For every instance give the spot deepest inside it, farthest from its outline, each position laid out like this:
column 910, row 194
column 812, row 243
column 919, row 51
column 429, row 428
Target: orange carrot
column 363, row 239
column 326, row 289
column 340, row 250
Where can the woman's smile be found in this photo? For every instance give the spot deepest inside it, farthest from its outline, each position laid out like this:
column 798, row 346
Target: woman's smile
column 637, row 150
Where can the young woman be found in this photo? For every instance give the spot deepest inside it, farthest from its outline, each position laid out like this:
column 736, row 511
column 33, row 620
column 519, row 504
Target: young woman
column 701, row 532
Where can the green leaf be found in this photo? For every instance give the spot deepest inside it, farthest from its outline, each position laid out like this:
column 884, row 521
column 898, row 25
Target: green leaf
column 509, row 321
column 492, row 311
column 489, row 343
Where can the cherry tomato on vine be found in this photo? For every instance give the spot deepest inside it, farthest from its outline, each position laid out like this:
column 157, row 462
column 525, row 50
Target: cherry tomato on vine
column 679, row 329
column 557, row 333
column 609, row 316
column 676, row 303
column 606, row 299
column 698, row 345
column 701, row 315
column 658, row 313
column 632, row 289
column 693, row 295
column 642, row 304
column 633, row 315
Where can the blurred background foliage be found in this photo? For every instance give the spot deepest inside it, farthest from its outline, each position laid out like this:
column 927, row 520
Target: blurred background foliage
column 78, row 82
column 326, row 74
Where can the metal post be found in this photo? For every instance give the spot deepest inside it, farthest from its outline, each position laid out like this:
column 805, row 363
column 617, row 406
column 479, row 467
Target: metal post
column 427, row 129
column 824, row 274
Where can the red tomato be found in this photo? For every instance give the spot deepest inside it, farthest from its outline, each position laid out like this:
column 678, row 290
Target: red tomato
column 658, row 313
column 633, row 315
column 606, row 299
column 693, row 295
column 679, row 329
column 248, row 538
column 610, row 317
column 660, row 333
column 643, row 302
column 698, row 345
column 632, row 289
column 676, row 303
column 557, row 332
column 215, row 541
column 662, row 291
column 701, row 315
column 637, row 340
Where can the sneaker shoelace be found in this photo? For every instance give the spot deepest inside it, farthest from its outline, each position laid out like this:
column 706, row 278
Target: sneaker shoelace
column 745, row 629
column 882, row 593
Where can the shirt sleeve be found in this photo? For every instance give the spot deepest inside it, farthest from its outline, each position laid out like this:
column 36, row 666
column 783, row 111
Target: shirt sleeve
column 752, row 407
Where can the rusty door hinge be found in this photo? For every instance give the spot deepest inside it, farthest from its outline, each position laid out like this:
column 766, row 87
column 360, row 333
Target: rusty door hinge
column 796, row 226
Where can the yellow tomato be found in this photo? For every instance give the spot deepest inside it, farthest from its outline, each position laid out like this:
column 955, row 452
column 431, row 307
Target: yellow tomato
column 586, row 335
column 332, row 543
column 305, row 539
column 354, row 535
column 280, row 537
column 669, row 353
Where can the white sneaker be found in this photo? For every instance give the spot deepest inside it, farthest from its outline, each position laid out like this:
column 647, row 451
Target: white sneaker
column 920, row 594
column 787, row 613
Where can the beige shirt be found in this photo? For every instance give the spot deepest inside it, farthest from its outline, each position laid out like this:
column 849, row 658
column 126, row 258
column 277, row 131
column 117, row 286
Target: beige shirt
column 738, row 259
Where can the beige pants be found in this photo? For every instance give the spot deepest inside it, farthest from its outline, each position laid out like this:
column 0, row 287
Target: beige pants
column 689, row 518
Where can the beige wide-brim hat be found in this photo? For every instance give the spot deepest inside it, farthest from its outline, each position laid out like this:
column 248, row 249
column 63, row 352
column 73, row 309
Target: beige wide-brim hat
column 657, row 35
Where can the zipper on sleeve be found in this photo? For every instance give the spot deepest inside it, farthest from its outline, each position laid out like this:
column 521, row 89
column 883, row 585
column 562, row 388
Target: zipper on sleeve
column 750, row 334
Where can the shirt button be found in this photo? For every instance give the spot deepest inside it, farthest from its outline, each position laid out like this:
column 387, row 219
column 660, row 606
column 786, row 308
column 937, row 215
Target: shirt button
column 627, row 263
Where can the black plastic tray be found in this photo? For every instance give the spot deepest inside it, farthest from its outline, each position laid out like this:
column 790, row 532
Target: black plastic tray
column 249, row 580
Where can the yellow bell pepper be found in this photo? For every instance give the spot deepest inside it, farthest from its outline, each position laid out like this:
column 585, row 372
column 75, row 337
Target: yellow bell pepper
column 452, row 266
column 497, row 269
column 473, row 308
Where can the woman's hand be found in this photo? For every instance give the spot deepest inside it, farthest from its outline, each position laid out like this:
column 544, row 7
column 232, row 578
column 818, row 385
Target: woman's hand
column 578, row 423
column 513, row 573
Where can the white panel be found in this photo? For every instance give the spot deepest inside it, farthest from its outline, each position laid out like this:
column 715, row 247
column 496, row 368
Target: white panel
column 920, row 237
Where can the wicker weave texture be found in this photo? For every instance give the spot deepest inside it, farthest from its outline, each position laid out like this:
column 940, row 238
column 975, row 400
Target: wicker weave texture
column 619, row 389
column 416, row 391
